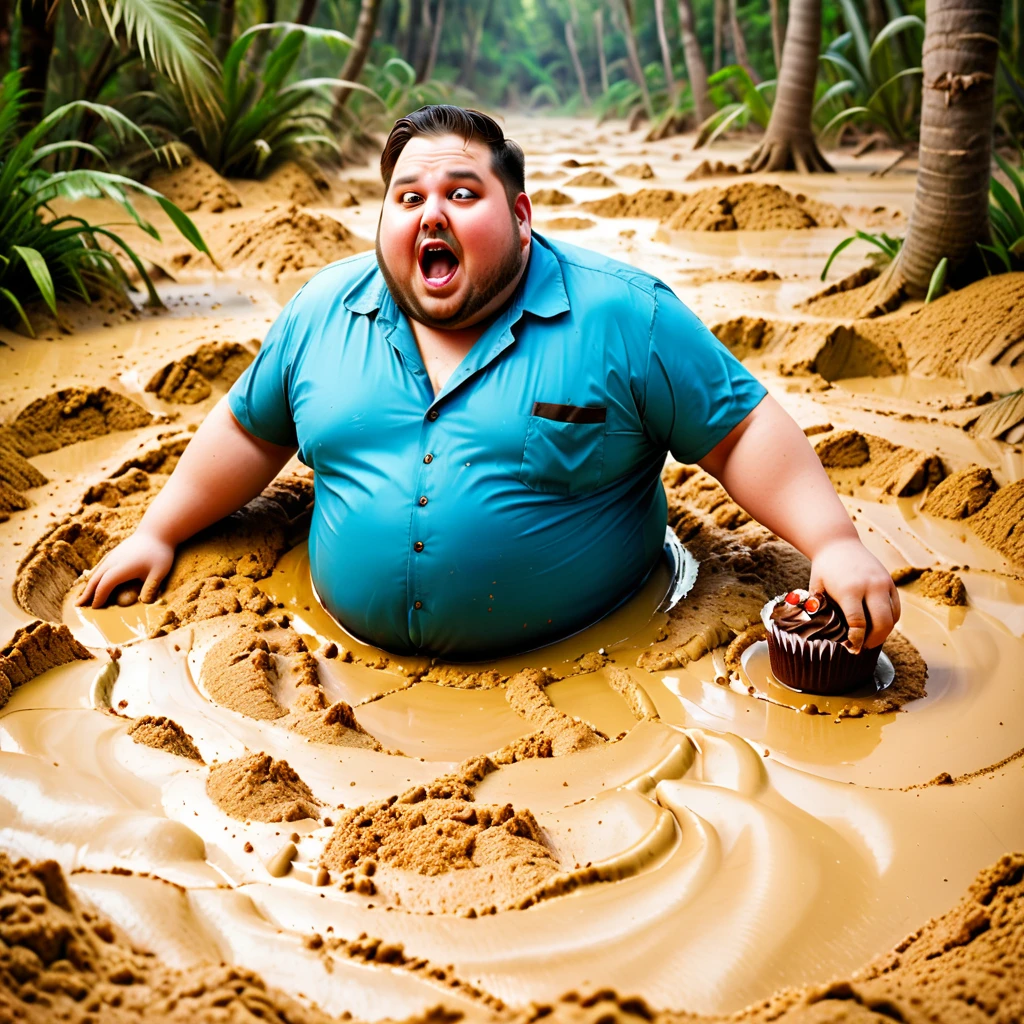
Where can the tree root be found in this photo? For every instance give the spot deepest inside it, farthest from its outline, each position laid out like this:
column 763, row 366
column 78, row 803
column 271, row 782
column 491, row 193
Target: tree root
column 781, row 154
column 886, row 294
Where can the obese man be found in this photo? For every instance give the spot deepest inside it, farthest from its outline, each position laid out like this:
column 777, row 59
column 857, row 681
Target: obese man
column 486, row 414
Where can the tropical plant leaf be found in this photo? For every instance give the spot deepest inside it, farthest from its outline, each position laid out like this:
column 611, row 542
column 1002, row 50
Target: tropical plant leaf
column 937, row 284
column 37, row 267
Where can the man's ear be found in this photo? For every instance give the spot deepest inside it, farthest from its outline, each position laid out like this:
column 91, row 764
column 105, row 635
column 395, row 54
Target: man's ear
column 523, row 211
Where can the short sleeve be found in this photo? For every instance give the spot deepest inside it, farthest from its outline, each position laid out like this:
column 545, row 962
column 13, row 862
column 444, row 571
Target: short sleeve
column 259, row 399
column 696, row 389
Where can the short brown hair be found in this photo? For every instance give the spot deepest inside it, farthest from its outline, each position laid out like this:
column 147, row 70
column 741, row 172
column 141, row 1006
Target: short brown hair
column 508, row 160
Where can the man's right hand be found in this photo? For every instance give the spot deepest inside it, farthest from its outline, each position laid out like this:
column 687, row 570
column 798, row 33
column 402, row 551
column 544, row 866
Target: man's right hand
column 142, row 556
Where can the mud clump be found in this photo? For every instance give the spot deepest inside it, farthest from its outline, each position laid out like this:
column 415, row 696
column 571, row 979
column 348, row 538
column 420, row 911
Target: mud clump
column 286, row 240
column 941, row 585
column 591, row 179
column 69, row 416
column 33, row 650
column 642, row 171
column 550, row 197
column 1000, row 523
column 712, row 169
column 748, row 206
column 267, row 673
column 656, row 203
column 961, row 494
column 436, row 850
column 854, row 460
column 569, row 223
column 195, row 186
column 17, row 475
column 258, row 788
column 557, row 732
column 60, row 960
column 292, row 183
column 164, row 734
column 190, row 379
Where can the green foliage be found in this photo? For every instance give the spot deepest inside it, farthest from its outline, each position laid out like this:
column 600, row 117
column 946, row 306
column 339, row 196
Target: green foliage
column 48, row 256
column 887, row 246
column 260, row 118
column 1006, row 218
column 937, row 284
column 739, row 100
column 876, row 82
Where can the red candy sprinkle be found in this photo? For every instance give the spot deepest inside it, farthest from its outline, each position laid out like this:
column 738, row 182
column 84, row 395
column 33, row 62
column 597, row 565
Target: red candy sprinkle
column 792, row 597
column 812, row 604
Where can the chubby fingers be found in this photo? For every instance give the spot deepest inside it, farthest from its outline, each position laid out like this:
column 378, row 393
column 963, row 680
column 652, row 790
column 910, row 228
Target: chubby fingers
column 86, row 596
column 154, row 578
column 880, row 613
column 852, row 604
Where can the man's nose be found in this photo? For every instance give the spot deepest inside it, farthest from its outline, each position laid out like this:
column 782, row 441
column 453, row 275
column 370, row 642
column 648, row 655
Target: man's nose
column 434, row 214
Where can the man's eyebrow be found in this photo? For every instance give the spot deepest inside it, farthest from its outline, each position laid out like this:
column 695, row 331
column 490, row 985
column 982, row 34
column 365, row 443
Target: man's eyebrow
column 462, row 174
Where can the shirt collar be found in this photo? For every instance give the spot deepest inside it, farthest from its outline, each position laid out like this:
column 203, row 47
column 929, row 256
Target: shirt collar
column 541, row 292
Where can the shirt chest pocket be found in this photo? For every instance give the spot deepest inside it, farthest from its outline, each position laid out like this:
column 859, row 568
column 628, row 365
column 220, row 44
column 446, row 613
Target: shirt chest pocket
column 564, row 448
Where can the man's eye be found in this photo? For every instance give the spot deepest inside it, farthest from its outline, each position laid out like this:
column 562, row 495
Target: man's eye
column 463, row 193
column 409, row 198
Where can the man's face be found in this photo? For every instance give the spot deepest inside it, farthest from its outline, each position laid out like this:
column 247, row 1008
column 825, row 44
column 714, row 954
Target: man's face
column 450, row 249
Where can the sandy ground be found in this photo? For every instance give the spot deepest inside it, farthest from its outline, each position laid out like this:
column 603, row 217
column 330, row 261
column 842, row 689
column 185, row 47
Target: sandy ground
column 227, row 776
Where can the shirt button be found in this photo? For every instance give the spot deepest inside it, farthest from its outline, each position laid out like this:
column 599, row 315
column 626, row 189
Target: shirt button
column 428, row 459
column 418, row 546
column 418, row 605
column 433, row 414
column 423, row 500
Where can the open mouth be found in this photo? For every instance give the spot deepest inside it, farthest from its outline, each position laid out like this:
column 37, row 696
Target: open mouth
column 438, row 263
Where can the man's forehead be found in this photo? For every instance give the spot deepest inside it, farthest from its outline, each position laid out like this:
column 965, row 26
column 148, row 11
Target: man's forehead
column 426, row 153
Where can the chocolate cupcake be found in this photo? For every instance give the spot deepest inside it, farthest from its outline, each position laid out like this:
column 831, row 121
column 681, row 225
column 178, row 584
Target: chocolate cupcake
column 806, row 645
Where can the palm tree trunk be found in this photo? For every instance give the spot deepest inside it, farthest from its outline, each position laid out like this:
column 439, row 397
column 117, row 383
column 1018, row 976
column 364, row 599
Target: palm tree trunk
column 950, row 213
column 307, row 12
column 789, row 142
column 225, row 28
column 36, row 50
column 581, row 78
column 637, row 68
column 666, row 54
column 719, row 20
column 416, row 11
column 469, row 66
column 696, row 69
column 390, row 30
column 369, row 11
column 778, row 33
column 876, row 16
column 422, row 43
column 435, row 42
column 739, row 44
column 601, row 62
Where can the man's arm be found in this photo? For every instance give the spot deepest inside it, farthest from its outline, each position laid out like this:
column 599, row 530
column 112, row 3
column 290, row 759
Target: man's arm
column 768, row 467
column 223, row 467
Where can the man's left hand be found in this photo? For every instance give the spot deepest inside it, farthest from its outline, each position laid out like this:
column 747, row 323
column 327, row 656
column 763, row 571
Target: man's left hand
column 858, row 582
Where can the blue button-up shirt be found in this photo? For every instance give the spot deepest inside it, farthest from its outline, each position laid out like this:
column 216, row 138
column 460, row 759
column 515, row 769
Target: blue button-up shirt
column 523, row 501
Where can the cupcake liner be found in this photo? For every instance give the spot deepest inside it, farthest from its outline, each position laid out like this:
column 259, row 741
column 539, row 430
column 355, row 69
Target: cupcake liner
column 822, row 667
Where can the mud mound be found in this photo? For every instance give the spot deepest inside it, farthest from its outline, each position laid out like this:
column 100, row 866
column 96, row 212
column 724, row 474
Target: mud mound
column 258, row 788
column 364, row 188
column 712, row 169
column 643, row 171
column 33, row 650
column 832, row 352
column 835, row 300
column 591, row 179
column 939, row 585
column 749, row 206
column 548, row 175
column 573, row 162
column 1002, row 420
column 550, row 197
column 854, row 460
column 164, row 734
column 569, row 223
column 17, row 474
column 292, row 183
column 429, row 851
column 68, row 416
column 62, row 961
column 753, row 275
column 557, row 733
column 195, row 186
column 190, row 379
column 648, row 202
column 213, row 574
column 1000, row 523
column 268, row 674
column 287, row 239
column 961, row 494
